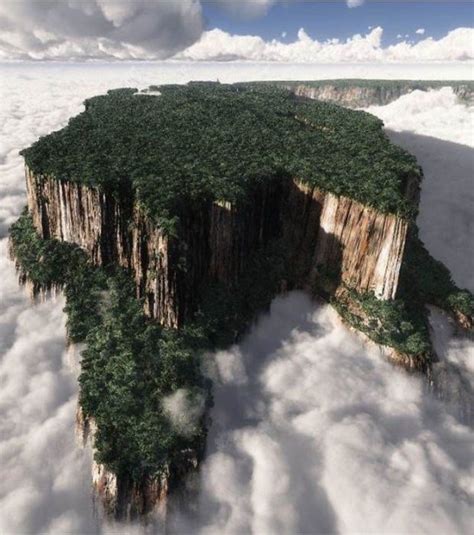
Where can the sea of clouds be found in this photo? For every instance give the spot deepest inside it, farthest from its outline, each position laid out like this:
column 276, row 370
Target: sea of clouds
column 313, row 432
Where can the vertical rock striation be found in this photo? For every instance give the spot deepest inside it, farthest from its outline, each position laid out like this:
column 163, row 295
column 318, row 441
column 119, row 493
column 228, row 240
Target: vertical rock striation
column 322, row 231
column 362, row 96
column 353, row 96
column 361, row 246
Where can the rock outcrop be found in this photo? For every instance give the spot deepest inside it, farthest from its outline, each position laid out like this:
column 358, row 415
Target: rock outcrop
column 127, row 500
column 363, row 96
column 365, row 247
column 323, row 232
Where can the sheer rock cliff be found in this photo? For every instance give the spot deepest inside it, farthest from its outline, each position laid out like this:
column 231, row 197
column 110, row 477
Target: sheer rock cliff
column 323, row 232
column 362, row 96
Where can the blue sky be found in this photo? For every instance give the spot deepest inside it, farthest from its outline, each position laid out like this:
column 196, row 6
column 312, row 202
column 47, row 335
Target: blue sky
column 162, row 29
column 323, row 20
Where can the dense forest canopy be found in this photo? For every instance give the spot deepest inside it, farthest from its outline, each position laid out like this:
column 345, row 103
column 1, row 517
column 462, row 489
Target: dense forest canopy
column 177, row 145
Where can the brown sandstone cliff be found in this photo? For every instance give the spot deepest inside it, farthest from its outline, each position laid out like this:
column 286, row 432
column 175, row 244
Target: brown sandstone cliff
column 354, row 96
column 364, row 246
column 323, row 232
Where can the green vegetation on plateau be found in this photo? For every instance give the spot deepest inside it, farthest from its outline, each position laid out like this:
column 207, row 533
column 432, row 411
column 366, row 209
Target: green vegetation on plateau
column 208, row 141
column 131, row 364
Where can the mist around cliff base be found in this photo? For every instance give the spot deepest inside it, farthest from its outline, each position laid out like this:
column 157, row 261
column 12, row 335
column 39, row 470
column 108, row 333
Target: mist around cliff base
column 313, row 431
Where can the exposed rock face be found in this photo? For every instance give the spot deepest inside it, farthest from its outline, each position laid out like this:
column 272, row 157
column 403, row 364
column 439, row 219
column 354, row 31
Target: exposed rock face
column 323, row 232
column 218, row 239
column 128, row 500
column 364, row 246
column 363, row 96
column 463, row 320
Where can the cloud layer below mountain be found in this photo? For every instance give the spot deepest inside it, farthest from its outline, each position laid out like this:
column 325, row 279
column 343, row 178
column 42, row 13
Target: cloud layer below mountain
column 314, row 432
column 312, row 428
column 437, row 114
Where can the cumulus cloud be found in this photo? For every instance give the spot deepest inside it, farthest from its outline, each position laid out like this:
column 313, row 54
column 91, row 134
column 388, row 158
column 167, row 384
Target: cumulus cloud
column 354, row 3
column 437, row 113
column 311, row 427
column 97, row 28
column 217, row 44
column 153, row 30
column 420, row 31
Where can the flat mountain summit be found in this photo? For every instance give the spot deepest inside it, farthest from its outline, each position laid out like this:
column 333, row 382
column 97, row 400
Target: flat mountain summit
column 208, row 141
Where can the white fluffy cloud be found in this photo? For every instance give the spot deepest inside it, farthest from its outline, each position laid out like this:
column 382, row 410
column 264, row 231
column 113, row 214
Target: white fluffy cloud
column 436, row 113
column 311, row 427
column 325, row 437
column 154, row 29
column 45, row 480
column 420, row 31
column 72, row 29
column 216, row 44
column 45, row 477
